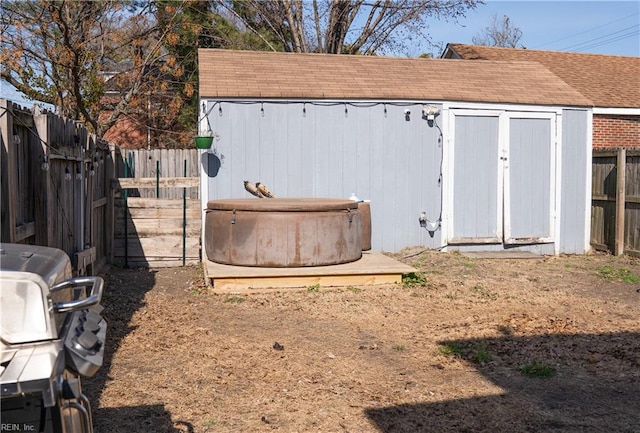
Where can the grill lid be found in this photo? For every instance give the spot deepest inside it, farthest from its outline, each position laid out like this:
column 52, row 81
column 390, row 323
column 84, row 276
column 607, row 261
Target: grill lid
column 52, row 264
column 24, row 310
column 27, row 273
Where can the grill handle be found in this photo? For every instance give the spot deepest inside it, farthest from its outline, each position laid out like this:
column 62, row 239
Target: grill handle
column 93, row 286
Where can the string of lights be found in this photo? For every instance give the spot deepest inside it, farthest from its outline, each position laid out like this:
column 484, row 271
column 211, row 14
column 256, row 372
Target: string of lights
column 305, row 103
column 55, row 153
column 429, row 112
column 52, row 153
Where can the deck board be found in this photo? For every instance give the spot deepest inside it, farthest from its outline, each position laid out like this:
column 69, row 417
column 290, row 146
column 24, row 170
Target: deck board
column 372, row 269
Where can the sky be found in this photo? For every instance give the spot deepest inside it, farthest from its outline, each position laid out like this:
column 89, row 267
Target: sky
column 598, row 27
column 7, row 91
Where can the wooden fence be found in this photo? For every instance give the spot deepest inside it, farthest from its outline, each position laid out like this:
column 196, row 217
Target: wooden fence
column 63, row 188
column 615, row 209
column 155, row 165
column 157, row 208
column 55, row 186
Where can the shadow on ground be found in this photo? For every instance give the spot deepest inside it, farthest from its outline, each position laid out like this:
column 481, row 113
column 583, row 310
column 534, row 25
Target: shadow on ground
column 147, row 418
column 124, row 294
column 599, row 392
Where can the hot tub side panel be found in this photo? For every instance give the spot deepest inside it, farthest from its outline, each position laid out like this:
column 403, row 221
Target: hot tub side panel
column 283, row 239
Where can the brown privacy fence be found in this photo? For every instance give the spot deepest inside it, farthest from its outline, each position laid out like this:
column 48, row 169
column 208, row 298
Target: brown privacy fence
column 55, row 185
column 615, row 209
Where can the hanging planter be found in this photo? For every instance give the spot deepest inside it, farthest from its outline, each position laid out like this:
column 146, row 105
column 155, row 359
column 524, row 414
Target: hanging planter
column 204, row 142
column 205, row 136
column 204, row 139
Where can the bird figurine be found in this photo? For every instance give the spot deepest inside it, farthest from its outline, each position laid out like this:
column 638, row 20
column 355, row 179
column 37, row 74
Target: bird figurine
column 252, row 189
column 264, row 190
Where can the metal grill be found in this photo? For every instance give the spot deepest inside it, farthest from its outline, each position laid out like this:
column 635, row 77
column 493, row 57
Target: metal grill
column 52, row 334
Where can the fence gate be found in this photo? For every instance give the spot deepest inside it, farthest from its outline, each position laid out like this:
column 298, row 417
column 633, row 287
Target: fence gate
column 156, row 232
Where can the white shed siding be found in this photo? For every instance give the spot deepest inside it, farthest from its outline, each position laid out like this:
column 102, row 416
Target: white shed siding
column 575, row 208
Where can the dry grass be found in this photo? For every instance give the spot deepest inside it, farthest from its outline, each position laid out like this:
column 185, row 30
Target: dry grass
column 442, row 353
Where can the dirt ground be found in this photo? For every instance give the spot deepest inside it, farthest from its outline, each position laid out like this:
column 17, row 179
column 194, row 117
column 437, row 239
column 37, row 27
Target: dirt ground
column 463, row 345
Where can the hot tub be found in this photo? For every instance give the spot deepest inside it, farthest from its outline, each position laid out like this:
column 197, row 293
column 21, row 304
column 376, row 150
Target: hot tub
column 283, row 232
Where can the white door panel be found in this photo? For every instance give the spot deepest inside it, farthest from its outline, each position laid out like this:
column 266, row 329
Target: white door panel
column 529, row 179
column 477, row 207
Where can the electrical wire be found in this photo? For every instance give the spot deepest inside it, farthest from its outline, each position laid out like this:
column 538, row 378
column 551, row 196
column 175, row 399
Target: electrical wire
column 599, row 40
column 64, row 215
column 583, row 32
column 440, row 180
column 52, row 149
column 610, row 41
column 370, row 104
column 28, row 128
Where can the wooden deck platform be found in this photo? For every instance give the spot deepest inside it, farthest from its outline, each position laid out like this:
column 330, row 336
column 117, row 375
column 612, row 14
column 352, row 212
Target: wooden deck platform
column 371, row 269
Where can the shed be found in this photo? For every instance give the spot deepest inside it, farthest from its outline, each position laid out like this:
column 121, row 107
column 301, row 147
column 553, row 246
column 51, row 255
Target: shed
column 452, row 154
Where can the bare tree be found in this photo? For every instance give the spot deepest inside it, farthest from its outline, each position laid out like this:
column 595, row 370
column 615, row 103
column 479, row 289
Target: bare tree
column 348, row 26
column 501, row 33
column 50, row 53
column 69, row 53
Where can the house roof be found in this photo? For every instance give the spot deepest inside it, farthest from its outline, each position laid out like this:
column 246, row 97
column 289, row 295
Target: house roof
column 266, row 75
column 609, row 81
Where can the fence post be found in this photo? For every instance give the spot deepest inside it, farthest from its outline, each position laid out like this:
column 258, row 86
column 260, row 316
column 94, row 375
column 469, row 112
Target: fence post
column 158, row 179
column 620, row 201
column 184, row 219
column 44, row 236
column 110, row 218
column 127, row 172
column 8, row 225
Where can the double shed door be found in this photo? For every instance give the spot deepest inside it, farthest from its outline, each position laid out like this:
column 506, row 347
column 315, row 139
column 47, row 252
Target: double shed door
column 503, row 178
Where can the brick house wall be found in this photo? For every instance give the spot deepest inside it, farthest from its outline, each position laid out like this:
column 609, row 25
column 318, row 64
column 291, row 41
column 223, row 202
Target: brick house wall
column 616, row 131
column 128, row 134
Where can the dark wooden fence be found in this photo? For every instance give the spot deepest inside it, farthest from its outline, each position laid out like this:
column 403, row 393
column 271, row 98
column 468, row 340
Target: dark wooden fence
column 55, row 186
column 615, row 210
